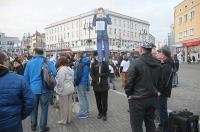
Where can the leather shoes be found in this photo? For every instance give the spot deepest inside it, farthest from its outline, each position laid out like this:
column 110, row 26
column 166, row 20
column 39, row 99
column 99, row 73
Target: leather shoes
column 99, row 116
column 45, row 130
column 104, row 118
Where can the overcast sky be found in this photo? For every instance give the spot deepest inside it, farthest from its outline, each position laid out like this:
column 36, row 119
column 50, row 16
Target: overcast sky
column 25, row 16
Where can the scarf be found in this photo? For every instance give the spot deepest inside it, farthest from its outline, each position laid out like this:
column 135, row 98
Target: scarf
column 3, row 70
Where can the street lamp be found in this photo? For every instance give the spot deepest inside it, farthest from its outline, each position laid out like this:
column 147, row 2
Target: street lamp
column 26, row 40
column 61, row 43
column 143, row 33
column 119, row 42
column 89, row 27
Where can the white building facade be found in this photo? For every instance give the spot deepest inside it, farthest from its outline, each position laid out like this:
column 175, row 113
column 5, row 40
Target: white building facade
column 7, row 43
column 124, row 33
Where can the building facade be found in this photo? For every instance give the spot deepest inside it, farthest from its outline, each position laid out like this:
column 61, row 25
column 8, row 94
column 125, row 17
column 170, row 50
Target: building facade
column 8, row 43
column 73, row 33
column 187, row 28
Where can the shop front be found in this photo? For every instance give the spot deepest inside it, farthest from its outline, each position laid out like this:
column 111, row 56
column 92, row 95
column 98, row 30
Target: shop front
column 192, row 49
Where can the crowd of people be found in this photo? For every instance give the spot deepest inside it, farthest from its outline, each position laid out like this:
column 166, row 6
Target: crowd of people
column 143, row 79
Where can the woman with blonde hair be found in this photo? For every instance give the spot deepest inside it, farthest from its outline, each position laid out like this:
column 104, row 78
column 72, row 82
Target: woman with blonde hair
column 65, row 90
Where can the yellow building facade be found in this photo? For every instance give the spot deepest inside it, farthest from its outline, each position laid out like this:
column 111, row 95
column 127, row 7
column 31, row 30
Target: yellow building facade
column 187, row 29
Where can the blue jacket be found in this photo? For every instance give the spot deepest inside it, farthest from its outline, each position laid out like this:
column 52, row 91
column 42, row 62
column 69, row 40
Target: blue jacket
column 102, row 34
column 33, row 74
column 16, row 100
column 81, row 71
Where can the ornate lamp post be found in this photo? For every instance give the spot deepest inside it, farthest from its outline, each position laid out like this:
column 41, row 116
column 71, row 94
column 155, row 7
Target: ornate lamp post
column 27, row 40
column 88, row 26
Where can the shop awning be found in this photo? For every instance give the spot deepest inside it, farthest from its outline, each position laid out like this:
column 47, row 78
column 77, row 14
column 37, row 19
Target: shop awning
column 193, row 43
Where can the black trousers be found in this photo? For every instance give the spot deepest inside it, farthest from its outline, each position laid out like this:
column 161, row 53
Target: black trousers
column 142, row 110
column 102, row 101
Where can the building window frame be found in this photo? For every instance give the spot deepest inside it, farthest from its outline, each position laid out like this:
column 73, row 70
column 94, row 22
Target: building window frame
column 185, row 18
column 192, row 13
column 180, row 20
column 192, row 31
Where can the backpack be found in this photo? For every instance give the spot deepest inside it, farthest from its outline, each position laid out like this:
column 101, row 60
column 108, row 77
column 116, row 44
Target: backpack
column 48, row 79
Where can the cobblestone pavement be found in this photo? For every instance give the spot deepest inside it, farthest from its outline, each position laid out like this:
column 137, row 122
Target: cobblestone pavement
column 185, row 96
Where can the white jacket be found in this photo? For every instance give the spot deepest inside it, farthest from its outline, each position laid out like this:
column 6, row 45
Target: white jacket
column 65, row 81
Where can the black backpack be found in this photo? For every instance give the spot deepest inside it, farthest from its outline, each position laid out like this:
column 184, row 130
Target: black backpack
column 48, row 79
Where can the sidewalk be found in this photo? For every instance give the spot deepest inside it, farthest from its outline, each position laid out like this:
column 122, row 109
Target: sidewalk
column 118, row 117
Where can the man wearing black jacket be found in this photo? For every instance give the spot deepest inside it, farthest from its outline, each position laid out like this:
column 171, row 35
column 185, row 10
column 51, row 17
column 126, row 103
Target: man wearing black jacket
column 100, row 88
column 167, row 66
column 143, row 81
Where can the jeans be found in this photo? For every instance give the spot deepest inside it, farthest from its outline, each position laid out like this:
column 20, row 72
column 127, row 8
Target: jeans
column 102, row 101
column 51, row 97
column 162, row 109
column 44, row 102
column 84, row 105
column 142, row 110
column 106, row 49
column 17, row 128
column 111, row 80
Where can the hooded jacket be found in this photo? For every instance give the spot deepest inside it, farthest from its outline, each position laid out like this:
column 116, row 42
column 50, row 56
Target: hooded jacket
column 167, row 66
column 81, row 71
column 144, row 76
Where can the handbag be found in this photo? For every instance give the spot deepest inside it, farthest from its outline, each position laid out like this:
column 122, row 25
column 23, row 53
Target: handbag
column 75, row 105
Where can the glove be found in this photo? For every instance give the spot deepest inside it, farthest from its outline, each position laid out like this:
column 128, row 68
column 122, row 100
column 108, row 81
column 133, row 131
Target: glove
column 106, row 11
column 99, row 84
column 99, row 75
column 95, row 11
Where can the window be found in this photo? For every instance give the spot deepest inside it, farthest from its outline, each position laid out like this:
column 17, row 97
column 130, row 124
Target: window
column 55, row 38
column 124, row 24
column 119, row 32
column 131, row 25
column 128, row 34
column 77, row 34
column 55, row 30
column 0, row 36
column 64, row 27
column 135, row 26
column 61, row 28
column 120, row 23
column 131, row 34
column 58, row 29
column 76, row 24
column 180, row 10
column 115, row 22
column 67, row 35
column 58, row 38
column 135, row 35
column 115, row 31
column 180, row 35
column 192, row 15
column 72, row 25
column 191, row 31
column 180, row 20
column 110, row 31
column 185, row 18
column 185, row 33
column 128, row 24
column 0, row 42
column 186, row 7
column 124, row 33
column 192, row 3
column 72, row 34
column 81, row 23
column 64, row 35
column 52, row 38
column 52, row 31
column 47, row 39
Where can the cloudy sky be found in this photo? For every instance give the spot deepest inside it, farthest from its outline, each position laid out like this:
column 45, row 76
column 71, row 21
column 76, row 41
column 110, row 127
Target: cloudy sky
column 25, row 16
